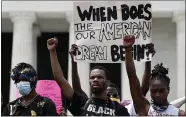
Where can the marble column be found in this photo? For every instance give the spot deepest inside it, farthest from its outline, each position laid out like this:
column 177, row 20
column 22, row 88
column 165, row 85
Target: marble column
column 179, row 18
column 36, row 33
column 23, row 44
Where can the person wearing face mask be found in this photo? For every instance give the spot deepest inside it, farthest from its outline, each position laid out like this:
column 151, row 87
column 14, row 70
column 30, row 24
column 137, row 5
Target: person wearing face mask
column 30, row 103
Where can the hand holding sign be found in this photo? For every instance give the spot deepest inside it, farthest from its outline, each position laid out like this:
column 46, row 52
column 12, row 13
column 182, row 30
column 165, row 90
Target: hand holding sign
column 128, row 41
column 73, row 51
column 52, row 43
column 151, row 49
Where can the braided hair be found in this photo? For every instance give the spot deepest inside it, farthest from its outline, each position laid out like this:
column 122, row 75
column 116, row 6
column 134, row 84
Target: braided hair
column 25, row 71
column 160, row 73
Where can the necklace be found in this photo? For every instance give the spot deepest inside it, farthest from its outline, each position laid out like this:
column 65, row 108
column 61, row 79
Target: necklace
column 27, row 103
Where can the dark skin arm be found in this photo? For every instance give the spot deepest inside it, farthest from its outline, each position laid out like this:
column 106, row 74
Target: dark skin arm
column 147, row 71
column 75, row 76
column 140, row 102
column 145, row 79
column 57, row 71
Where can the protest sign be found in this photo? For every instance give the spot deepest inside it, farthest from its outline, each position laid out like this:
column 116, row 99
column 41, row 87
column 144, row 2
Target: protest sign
column 50, row 89
column 99, row 28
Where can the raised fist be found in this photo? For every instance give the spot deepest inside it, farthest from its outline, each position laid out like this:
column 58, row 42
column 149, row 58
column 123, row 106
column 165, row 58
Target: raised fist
column 52, row 43
column 128, row 41
column 73, row 51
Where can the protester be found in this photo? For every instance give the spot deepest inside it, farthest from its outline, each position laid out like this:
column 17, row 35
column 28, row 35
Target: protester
column 159, row 87
column 30, row 103
column 145, row 82
column 111, row 89
column 113, row 92
column 99, row 104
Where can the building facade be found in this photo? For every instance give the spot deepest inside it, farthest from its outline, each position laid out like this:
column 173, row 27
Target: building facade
column 29, row 20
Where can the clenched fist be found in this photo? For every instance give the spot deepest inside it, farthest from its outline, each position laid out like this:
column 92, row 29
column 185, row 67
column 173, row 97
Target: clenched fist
column 52, row 44
column 150, row 46
column 73, row 51
column 128, row 41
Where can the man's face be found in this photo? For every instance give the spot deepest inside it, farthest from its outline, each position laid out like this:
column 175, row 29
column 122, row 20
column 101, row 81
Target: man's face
column 98, row 82
column 112, row 92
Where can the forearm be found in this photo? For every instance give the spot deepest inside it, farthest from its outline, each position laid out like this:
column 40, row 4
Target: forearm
column 59, row 77
column 145, row 79
column 76, row 84
column 139, row 100
column 133, row 80
column 130, row 67
column 179, row 102
column 56, row 68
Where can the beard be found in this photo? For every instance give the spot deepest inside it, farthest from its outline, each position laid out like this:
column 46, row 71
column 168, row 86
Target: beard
column 98, row 90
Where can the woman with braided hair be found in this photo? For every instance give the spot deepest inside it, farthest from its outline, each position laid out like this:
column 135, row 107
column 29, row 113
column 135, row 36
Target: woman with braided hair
column 159, row 87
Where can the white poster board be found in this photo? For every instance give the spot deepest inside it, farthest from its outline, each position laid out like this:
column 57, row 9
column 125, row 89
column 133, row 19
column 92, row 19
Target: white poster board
column 99, row 28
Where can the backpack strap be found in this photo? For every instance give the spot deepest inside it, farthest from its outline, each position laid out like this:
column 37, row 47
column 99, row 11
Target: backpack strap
column 87, row 102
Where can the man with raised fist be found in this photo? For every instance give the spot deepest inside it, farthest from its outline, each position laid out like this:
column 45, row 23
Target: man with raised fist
column 99, row 104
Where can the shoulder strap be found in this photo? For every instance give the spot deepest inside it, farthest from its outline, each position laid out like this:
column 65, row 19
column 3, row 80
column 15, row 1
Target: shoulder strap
column 87, row 102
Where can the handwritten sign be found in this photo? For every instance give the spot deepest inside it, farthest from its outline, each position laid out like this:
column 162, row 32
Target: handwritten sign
column 50, row 89
column 99, row 28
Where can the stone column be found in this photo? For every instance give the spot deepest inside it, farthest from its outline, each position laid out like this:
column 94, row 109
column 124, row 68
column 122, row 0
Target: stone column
column 179, row 18
column 23, row 44
column 36, row 33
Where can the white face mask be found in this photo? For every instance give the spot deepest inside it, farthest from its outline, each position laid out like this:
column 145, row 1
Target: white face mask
column 24, row 87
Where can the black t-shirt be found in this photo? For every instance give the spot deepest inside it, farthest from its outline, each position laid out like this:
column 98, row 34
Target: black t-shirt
column 41, row 106
column 82, row 106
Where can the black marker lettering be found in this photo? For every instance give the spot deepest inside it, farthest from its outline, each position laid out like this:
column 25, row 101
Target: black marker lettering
column 85, row 13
